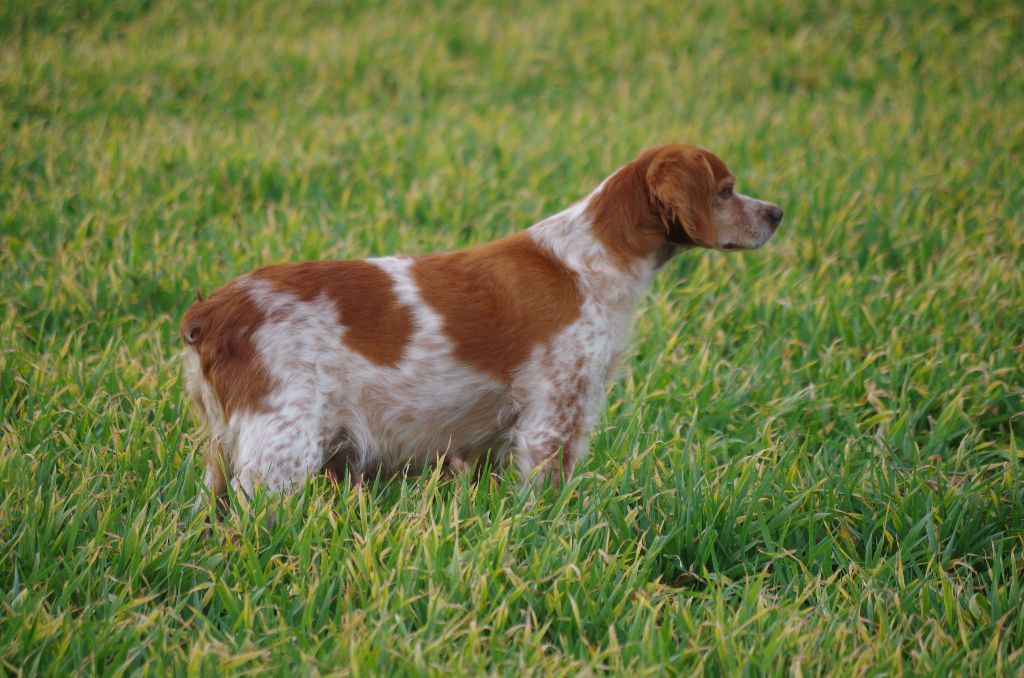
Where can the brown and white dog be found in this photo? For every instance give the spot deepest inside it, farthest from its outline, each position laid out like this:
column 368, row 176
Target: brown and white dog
column 378, row 365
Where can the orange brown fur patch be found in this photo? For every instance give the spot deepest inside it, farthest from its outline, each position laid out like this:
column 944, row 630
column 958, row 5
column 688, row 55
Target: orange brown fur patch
column 623, row 215
column 499, row 300
column 667, row 185
column 220, row 328
column 376, row 324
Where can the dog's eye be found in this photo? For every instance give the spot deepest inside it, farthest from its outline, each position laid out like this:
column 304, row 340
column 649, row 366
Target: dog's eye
column 726, row 192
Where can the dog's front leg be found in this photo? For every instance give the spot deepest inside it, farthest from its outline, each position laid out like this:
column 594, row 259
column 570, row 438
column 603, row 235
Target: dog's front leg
column 563, row 395
column 544, row 455
column 553, row 434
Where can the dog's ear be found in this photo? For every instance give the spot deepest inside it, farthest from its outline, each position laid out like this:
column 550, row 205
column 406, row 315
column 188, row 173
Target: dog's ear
column 682, row 186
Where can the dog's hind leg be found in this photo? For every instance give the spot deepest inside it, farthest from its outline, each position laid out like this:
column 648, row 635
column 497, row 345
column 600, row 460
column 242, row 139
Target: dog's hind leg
column 342, row 457
column 276, row 451
column 216, row 467
column 215, row 477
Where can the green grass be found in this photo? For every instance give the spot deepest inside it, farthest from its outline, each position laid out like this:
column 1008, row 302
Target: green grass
column 813, row 464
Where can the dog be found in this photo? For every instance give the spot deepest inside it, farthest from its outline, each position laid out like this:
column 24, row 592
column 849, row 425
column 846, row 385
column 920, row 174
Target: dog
column 376, row 366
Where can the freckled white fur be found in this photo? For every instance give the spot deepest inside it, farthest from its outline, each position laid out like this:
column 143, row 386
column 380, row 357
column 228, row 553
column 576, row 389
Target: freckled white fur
column 430, row 404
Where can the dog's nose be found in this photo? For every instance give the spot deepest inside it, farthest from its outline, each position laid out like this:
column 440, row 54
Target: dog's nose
column 774, row 214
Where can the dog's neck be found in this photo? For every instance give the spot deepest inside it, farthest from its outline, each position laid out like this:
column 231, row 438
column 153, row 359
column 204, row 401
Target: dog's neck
column 604, row 275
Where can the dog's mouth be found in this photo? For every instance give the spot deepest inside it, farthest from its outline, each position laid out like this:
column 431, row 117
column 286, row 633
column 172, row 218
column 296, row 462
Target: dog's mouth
column 730, row 246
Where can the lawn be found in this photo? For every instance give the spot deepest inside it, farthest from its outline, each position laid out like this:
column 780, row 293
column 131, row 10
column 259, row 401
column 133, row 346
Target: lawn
column 813, row 463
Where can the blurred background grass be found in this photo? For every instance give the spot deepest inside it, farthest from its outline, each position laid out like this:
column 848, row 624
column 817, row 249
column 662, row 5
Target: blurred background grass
column 813, row 461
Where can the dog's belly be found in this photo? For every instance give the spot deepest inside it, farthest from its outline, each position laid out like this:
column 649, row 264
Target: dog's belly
column 408, row 416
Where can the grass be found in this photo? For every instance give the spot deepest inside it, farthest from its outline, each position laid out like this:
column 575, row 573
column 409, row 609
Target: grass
column 813, row 465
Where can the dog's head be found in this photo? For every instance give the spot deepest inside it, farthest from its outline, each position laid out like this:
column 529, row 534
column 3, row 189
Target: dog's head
column 694, row 195
column 674, row 197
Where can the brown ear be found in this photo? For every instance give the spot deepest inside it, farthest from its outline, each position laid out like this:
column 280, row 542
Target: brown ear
column 682, row 185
